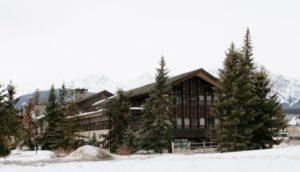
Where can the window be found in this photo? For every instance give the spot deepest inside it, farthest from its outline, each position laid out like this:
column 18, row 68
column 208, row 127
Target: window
column 211, row 121
column 178, row 123
column 105, row 125
column 37, row 113
column 186, row 122
column 194, row 122
column 202, row 122
column 201, row 99
column 178, row 100
column 209, row 99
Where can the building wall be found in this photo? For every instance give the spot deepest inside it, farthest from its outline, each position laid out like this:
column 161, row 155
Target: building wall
column 88, row 125
column 191, row 112
column 294, row 132
column 87, row 135
column 192, row 105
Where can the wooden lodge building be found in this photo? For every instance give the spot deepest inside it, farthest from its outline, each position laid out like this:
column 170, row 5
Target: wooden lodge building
column 191, row 111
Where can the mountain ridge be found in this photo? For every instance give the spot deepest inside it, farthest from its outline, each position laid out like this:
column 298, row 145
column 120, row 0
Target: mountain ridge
column 287, row 88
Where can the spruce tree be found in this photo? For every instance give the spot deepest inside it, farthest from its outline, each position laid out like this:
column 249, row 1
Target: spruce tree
column 4, row 128
column 248, row 97
column 227, row 109
column 70, row 125
column 248, row 117
column 9, row 121
column 157, row 114
column 63, row 95
column 234, row 107
column 14, row 121
column 36, row 97
column 120, row 115
column 54, row 135
column 129, row 139
column 270, row 115
column 247, row 51
column 93, row 140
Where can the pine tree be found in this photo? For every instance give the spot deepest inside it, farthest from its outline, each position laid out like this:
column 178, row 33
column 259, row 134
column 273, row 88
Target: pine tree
column 270, row 115
column 129, row 139
column 248, row 117
column 9, row 121
column 14, row 121
column 36, row 97
column 247, row 51
column 93, row 140
column 226, row 106
column 54, row 135
column 158, row 124
column 248, row 97
column 234, row 107
column 70, row 125
column 63, row 94
column 120, row 117
column 4, row 128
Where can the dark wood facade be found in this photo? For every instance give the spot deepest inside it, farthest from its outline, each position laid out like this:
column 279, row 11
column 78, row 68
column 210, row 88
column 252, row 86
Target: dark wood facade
column 86, row 104
column 193, row 95
column 191, row 111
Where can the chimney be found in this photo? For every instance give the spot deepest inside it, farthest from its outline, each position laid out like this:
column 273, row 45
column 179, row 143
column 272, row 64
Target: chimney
column 80, row 93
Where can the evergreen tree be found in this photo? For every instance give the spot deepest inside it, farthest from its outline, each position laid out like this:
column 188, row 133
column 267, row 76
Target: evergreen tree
column 93, row 140
column 54, row 135
column 14, row 121
column 270, row 115
column 247, row 51
column 36, row 97
column 9, row 121
column 70, row 125
column 248, row 96
column 234, row 107
column 157, row 114
column 4, row 128
column 226, row 106
column 129, row 139
column 63, row 94
column 120, row 117
column 248, row 117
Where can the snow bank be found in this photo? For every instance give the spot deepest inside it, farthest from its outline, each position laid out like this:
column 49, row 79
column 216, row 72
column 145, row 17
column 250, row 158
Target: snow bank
column 18, row 155
column 90, row 153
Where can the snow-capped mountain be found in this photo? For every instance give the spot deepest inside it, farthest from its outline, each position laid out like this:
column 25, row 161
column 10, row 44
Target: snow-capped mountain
column 96, row 83
column 287, row 89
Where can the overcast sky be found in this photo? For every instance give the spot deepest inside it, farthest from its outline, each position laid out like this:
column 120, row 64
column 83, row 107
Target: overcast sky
column 44, row 42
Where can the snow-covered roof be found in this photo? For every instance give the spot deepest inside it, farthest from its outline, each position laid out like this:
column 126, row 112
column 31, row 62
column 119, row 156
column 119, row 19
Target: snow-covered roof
column 136, row 108
column 40, row 117
column 104, row 100
column 92, row 113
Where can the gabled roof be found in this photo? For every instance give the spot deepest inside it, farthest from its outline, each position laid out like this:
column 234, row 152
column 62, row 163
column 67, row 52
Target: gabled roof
column 87, row 98
column 175, row 80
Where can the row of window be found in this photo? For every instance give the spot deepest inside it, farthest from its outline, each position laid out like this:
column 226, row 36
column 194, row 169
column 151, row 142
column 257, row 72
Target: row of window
column 193, row 122
column 201, row 100
column 101, row 125
column 190, row 122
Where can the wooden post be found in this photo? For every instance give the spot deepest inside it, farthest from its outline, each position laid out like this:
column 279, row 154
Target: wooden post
column 173, row 149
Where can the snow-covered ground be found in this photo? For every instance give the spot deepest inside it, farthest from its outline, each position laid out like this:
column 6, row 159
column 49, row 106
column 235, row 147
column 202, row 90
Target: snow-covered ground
column 277, row 159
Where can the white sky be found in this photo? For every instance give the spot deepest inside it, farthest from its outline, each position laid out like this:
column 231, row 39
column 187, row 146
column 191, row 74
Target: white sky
column 44, row 42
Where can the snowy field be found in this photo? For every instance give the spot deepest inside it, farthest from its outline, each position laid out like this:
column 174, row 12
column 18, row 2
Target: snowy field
column 277, row 159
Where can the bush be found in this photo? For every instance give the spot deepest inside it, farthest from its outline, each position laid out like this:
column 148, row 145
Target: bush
column 123, row 150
